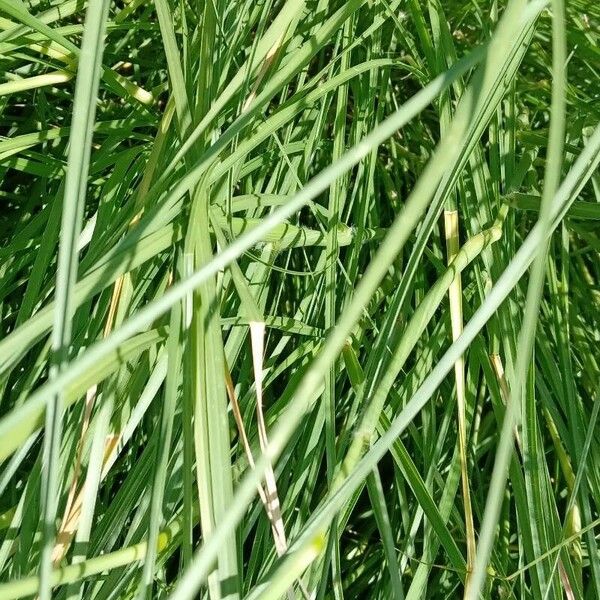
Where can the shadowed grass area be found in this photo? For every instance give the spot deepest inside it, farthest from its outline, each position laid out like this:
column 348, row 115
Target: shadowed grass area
column 299, row 299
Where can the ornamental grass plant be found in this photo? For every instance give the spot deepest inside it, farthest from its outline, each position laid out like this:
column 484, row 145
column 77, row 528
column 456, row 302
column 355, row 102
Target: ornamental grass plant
column 299, row 299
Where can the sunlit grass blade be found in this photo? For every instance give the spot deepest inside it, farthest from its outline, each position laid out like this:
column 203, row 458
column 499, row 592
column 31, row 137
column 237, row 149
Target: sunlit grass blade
column 80, row 141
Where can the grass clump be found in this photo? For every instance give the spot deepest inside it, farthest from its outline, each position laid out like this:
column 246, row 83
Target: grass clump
column 299, row 299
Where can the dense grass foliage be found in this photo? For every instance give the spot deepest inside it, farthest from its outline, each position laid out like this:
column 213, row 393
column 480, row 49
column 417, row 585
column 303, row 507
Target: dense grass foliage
column 299, row 298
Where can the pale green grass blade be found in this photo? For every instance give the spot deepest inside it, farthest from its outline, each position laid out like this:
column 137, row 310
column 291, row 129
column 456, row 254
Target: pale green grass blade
column 84, row 110
column 534, row 293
